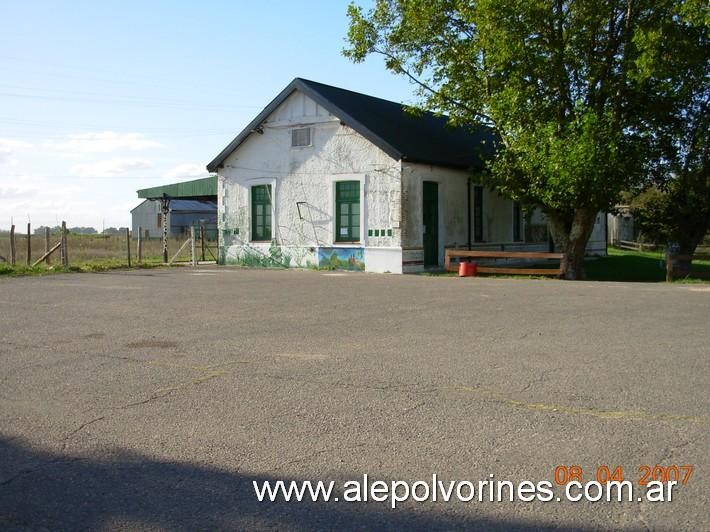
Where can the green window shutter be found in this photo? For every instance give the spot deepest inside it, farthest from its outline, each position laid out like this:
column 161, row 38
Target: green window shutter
column 347, row 211
column 261, row 212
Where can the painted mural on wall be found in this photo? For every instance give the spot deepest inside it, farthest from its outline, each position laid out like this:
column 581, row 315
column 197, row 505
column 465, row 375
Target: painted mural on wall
column 341, row 258
column 240, row 253
column 250, row 257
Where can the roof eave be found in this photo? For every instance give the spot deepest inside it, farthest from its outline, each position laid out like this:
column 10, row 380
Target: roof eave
column 216, row 163
column 348, row 120
column 445, row 164
column 299, row 84
column 141, row 203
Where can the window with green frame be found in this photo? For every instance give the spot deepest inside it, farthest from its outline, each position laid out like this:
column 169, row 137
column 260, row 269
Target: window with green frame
column 347, row 211
column 261, row 212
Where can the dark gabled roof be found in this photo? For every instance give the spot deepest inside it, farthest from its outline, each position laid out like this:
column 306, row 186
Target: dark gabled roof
column 423, row 138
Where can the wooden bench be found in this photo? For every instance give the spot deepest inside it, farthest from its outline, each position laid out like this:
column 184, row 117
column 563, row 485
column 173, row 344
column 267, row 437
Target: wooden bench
column 671, row 266
column 461, row 254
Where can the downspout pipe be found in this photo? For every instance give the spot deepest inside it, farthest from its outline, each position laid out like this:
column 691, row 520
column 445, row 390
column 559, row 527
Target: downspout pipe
column 468, row 209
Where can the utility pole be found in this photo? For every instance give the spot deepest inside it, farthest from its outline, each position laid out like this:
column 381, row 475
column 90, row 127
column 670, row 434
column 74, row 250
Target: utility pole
column 165, row 209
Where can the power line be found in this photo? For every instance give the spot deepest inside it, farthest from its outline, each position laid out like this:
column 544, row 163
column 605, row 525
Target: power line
column 117, row 97
column 161, row 135
column 82, row 125
column 91, row 178
column 121, row 102
column 84, row 77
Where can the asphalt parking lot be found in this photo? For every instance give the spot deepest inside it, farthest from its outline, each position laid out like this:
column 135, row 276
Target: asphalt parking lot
column 152, row 399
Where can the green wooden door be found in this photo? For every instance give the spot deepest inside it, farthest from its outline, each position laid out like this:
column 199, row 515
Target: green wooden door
column 430, row 217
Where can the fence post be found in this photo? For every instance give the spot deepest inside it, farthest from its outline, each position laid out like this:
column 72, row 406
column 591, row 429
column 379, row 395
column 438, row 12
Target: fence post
column 13, row 250
column 202, row 240
column 29, row 244
column 65, row 251
column 46, row 244
column 192, row 245
column 128, row 246
column 139, row 244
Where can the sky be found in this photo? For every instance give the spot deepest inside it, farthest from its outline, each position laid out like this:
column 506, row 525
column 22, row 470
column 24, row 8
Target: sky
column 100, row 99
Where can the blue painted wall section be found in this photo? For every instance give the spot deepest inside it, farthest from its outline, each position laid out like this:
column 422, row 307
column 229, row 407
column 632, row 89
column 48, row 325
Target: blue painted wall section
column 341, row 258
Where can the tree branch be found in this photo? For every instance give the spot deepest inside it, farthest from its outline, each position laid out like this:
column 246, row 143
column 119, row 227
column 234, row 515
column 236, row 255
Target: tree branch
column 452, row 101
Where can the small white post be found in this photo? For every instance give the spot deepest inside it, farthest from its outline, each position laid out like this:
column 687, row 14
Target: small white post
column 192, row 245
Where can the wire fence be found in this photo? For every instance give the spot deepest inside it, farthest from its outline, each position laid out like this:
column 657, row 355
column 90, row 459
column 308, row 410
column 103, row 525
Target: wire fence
column 20, row 249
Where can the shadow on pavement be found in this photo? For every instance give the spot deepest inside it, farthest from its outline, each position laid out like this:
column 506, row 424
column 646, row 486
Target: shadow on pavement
column 40, row 490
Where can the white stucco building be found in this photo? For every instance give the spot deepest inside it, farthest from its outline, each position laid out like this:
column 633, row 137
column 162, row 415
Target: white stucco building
column 329, row 177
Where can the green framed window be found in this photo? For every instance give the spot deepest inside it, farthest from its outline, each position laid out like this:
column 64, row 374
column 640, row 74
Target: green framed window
column 347, row 211
column 261, row 212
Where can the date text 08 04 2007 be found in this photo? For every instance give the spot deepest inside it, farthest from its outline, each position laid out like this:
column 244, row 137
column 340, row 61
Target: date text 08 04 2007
column 564, row 474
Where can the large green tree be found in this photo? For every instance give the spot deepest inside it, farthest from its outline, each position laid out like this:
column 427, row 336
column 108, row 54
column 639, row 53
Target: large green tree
column 674, row 73
column 559, row 80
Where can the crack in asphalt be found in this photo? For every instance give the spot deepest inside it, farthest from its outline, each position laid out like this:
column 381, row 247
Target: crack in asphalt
column 308, row 456
column 538, row 380
column 82, row 426
column 505, row 399
column 23, row 472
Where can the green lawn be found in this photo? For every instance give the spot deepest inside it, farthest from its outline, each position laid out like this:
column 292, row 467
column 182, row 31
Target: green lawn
column 618, row 265
column 622, row 265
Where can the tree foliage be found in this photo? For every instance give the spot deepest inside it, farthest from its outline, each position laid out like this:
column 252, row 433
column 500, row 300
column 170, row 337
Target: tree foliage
column 674, row 73
column 562, row 82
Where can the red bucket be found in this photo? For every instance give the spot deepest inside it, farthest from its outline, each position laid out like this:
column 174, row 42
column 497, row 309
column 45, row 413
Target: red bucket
column 468, row 269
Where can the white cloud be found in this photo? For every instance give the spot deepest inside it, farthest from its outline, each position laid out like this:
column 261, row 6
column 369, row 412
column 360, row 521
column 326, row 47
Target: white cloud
column 110, row 168
column 9, row 147
column 185, row 170
column 104, row 142
column 17, row 191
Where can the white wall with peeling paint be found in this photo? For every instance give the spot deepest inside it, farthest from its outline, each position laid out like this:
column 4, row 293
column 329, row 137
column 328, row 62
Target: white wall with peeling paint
column 452, row 209
column 497, row 218
column 303, row 178
column 303, row 203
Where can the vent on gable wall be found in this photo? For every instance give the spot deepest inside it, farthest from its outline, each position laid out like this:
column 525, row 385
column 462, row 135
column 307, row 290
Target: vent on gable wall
column 300, row 137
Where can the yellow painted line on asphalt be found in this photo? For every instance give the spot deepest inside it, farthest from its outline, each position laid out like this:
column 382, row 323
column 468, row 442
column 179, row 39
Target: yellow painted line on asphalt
column 190, row 383
column 167, row 363
column 581, row 411
column 175, row 365
column 210, row 372
column 205, row 373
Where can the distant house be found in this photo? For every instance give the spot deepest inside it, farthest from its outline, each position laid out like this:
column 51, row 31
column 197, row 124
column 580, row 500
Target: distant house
column 182, row 214
column 621, row 226
column 329, row 177
column 189, row 203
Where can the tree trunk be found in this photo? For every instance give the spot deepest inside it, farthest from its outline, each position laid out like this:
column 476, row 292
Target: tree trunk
column 691, row 238
column 571, row 233
column 690, row 218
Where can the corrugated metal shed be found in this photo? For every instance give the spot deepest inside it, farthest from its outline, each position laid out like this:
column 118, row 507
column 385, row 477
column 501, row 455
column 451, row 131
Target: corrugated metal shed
column 183, row 213
column 183, row 205
column 198, row 188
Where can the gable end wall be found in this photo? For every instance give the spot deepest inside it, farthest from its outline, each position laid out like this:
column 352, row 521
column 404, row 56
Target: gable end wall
column 302, row 179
